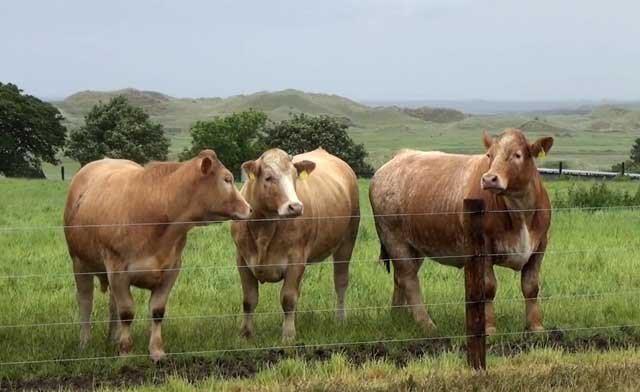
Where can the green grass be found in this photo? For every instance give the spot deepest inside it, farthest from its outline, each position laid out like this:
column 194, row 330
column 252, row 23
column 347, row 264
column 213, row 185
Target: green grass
column 544, row 370
column 588, row 253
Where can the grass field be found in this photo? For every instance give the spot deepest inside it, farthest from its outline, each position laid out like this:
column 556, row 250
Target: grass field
column 589, row 273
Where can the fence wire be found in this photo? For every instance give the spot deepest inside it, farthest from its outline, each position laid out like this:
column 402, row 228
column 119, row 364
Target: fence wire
column 282, row 219
column 311, row 346
column 557, row 297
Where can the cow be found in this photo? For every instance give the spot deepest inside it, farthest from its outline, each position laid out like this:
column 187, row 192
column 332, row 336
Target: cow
column 127, row 225
column 305, row 208
column 417, row 200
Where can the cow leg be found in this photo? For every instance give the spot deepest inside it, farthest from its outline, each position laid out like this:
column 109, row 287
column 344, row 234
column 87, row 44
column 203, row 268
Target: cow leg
column 84, row 296
column 530, row 284
column 490, row 289
column 341, row 259
column 113, row 318
column 398, row 301
column 157, row 305
column 289, row 299
column 405, row 268
column 249, row 296
column 119, row 283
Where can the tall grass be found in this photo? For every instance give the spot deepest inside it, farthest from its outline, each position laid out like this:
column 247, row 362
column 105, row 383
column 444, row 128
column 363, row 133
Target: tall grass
column 598, row 194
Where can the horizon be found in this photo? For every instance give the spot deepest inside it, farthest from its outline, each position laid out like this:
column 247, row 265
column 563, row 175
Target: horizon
column 373, row 50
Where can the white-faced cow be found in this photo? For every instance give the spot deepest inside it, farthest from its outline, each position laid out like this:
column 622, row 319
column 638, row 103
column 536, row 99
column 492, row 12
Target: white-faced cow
column 409, row 193
column 127, row 225
column 322, row 192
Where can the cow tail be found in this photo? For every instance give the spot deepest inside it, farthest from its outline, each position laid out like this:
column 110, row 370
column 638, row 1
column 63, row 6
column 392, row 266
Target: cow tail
column 384, row 258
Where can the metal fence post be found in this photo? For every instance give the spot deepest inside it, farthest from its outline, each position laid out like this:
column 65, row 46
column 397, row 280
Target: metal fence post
column 62, row 172
column 560, row 168
column 474, row 268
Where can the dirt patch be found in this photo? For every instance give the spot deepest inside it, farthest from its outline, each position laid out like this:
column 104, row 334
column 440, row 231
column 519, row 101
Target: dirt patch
column 245, row 365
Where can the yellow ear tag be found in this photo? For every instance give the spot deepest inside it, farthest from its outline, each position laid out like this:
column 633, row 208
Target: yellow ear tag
column 542, row 155
column 303, row 175
column 252, row 176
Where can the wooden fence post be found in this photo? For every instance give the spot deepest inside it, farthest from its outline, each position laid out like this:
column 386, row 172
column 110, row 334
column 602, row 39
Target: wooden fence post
column 560, row 168
column 474, row 268
column 62, row 172
column 622, row 171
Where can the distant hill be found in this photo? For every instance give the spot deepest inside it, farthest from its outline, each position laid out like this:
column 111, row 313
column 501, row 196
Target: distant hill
column 437, row 115
column 177, row 114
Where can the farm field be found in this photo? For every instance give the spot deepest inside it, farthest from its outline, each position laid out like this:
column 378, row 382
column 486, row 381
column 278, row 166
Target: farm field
column 589, row 286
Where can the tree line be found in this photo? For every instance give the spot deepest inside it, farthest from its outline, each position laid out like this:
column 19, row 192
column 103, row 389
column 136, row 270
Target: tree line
column 32, row 132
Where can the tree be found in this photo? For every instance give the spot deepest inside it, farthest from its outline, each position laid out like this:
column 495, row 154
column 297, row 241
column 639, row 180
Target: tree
column 302, row 133
column 118, row 130
column 236, row 138
column 635, row 152
column 633, row 164
column 31, row 131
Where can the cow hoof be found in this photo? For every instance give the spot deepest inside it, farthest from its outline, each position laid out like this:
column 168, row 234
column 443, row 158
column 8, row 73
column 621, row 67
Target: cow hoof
column 341, row 315
column 157, row 356
column 246, row 333
column 289, row 338
column 125, row 347
column 535, row 328
column 427, row 326
column 490, row 331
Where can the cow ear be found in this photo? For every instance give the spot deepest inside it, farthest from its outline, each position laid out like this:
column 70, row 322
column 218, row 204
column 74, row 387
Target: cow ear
column 487, row 140
column 304, row 167
column 541, row 147
column 251, row 169
column 206, row 165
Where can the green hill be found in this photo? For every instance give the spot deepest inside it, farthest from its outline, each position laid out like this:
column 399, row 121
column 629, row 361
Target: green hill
column 177, row 114
column 595, row 140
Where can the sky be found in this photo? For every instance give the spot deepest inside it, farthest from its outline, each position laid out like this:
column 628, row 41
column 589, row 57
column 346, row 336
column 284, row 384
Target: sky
column 363, row 49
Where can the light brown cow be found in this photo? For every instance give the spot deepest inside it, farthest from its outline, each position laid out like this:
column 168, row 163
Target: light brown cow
column 127, row 225
column 273, row 246
column 506, row 178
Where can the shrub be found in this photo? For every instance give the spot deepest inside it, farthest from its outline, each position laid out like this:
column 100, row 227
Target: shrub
column 597, row 195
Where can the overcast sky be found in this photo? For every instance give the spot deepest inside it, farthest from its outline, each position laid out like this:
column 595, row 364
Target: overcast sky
column 364, row 49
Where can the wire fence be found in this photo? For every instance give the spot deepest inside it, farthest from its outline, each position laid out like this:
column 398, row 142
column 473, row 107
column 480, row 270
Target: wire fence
column 313, row 345
column 558, row 297
column 302, row 262
column 568, row 296
column 300, row 218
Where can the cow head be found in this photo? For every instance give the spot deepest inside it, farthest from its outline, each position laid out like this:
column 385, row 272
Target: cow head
column 215, row 195
column 272, row 183
column 511, row 161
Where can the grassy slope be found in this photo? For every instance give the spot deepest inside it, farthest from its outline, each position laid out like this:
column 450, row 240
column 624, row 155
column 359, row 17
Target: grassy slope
column 589, row 253
column 596, row 140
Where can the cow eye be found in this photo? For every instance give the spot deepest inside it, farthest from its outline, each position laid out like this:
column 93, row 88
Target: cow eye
column 228, row 180
column 518, row 155
column 269, row 178
column 488, row 155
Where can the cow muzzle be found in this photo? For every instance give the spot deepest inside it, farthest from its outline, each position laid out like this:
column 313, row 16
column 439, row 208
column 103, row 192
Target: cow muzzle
column 492, row 183
column 291, row 210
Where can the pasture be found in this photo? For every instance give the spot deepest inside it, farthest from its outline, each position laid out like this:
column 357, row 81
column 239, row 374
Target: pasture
column 589, row 287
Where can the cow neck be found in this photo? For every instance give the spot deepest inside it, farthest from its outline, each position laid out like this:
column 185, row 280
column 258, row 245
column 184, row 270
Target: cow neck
column 262, row 230
column 519, row 209
column 169, row 203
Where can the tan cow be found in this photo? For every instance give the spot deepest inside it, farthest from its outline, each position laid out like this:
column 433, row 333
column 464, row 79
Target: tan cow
column 127, row 225
column 506, row 178
column 322, row 191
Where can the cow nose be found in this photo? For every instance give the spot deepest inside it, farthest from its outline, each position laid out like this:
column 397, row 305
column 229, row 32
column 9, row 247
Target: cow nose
column 491, row 179
column 294, row 209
